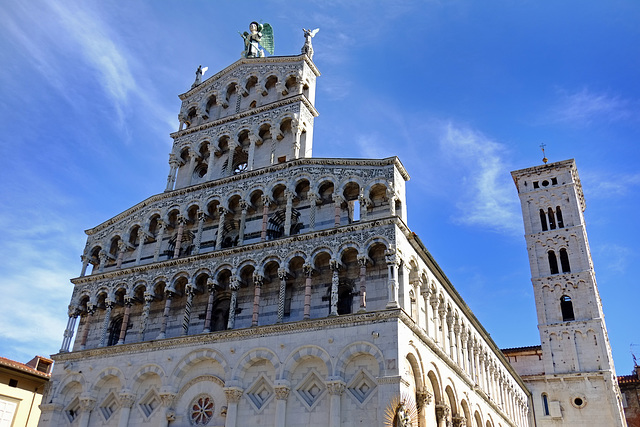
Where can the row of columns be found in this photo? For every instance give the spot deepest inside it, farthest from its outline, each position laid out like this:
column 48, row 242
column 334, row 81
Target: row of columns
column 258, row 280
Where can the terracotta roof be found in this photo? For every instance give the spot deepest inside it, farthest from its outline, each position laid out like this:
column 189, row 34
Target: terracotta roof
column 518, row 349
column 628, row 379
column 12, row 364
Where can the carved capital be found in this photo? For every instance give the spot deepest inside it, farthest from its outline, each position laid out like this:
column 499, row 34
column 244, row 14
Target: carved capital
column 362, row 260
column 127, row 399
column 442, row 411
column 282, row 391
column 211, row 285
column 233, row 394
column 308, row 269
column 336, row 387
column 334, row 264
column 128, row 300
column 282, row 273
column 167, row 398
column 87, row 403
column 423, row 398
column 266, row 200
column 258, row 279
column 459, row 421
column 148, row 297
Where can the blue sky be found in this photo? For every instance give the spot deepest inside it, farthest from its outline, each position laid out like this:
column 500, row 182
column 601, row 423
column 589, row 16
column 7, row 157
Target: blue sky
column 462, row 91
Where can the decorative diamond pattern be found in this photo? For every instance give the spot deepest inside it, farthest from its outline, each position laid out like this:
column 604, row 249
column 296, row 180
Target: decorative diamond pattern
column 361, row 387
column 149, row 403
column 260, row 393
column 109, row 406
column 311, row 390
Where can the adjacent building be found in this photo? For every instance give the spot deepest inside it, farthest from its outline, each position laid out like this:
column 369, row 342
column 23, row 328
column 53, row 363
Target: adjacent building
column 21, row 389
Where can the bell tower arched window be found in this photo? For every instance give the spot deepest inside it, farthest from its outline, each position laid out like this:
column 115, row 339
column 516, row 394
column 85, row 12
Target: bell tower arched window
column 564, row 261
column 545, row 404
column 553, row 262
column 566, row 306
column 559, row 217
column 543, row 220
column 552, row 219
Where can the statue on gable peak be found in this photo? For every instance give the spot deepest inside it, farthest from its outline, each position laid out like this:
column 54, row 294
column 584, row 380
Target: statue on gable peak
column 259, row 35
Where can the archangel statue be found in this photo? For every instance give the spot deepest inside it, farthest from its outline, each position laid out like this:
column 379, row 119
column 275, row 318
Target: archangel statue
column 199, row 73
column 308, row 35
column 259, row 35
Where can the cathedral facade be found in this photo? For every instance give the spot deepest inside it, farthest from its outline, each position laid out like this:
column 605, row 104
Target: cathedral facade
column 266, row 287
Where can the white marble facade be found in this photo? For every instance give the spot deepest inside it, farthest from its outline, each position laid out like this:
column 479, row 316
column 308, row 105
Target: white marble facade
column 267, row 287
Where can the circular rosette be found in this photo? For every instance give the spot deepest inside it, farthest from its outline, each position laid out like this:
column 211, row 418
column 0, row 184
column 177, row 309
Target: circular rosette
column 202, row 409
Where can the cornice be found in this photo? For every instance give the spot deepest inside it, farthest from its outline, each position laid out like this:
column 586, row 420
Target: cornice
column 292, row 164
column 313, row 325
column 247, row 113
column 225, row 253
column 250, row 61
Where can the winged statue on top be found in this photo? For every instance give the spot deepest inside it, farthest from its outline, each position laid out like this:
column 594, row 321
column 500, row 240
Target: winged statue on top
column 259, row 36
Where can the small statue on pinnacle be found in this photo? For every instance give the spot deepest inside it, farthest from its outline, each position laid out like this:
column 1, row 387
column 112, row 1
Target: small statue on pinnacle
column 308, row 35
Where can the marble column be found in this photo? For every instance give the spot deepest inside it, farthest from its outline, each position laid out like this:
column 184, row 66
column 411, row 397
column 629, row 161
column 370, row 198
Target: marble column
column 392, row 265
column 266, row 200
column 87, row 403
column 282, row 275
column 243, row 220
column 125, row 319
column 308, row 271
column 85, row 263
column 257, row 286
column 442, row 414
column 181, row 222
column 186, row 318
column 68, row 332
column 234, row 286
column 211, row 288
column 232, row 150
column 91, row 308
column 313, row 207
column 282, row 390
column 169, row 294
column 108, row 305
column 142, row 235
column 192, row 166
column 335, row 388
column 362, row 260
column 122, row 247
column 233, row 395
column 159, row 237
column 435, row 302
column 288, row 212
column 148, row 298
column 364, row 206
column 167, row 399
column 102, row 255
column 127, row 399
column 221, row 213
column 334, row 264
column 253, row 140
column 198, row 241
column 171, row 179
column 337, row 208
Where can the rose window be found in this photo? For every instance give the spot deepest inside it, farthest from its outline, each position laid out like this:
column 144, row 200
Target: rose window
column 201, row 410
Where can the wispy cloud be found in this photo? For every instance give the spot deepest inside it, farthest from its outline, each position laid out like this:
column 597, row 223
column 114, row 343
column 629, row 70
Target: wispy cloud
column 486, row 195
column 585, row 107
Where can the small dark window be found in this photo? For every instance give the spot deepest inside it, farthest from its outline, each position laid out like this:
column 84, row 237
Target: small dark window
column 13, row 383
column 545, row 404
column 114, row 331
column 578, row 401
column 566, row 306
column 554, row 181
column 559, row 217
column 535, row 184
column 552, row 219
column 564, row 261
column 543, row 220
column 282, row 159
column 553, row 262
column 545, row 183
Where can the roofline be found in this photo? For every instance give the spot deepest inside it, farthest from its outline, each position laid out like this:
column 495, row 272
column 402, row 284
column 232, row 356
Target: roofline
column 24, row 369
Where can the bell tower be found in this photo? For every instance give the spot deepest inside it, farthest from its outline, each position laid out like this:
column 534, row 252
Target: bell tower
column 578, row 382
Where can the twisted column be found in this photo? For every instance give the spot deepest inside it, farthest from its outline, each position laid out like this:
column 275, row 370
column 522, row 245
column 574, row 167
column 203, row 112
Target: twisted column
column 313, row 206
column 186, row 319
column 141, row 238
column 282, row 275
column 68, row 332
column 335, row 282
column 221, row 213
column 173, row 168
